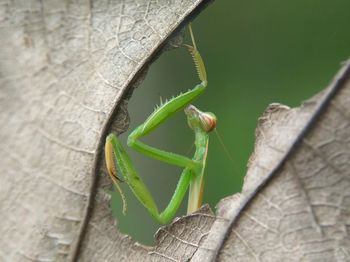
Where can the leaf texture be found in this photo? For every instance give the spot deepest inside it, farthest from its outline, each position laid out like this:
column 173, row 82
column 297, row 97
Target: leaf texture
column 64, row 67
column 295, row 204
column 65, row 70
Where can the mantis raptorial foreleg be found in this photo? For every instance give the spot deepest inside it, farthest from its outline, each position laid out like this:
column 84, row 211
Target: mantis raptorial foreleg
column 201, row 123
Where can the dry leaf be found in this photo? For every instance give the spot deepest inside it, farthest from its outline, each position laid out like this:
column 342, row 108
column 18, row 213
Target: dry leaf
column 295, row 204
column 65, row 66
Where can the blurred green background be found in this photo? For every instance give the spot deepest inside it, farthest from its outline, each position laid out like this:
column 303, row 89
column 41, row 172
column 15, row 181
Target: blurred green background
column 256, row 53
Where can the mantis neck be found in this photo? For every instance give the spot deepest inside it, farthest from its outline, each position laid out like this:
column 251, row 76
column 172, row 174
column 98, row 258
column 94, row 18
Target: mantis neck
column 197, row 181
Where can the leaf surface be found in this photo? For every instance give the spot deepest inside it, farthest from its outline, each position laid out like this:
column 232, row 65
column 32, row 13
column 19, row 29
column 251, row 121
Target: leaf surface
column 295, row 203
column 65, row 66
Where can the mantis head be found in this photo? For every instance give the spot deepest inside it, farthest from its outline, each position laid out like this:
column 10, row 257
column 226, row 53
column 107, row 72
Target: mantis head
column 198, row 120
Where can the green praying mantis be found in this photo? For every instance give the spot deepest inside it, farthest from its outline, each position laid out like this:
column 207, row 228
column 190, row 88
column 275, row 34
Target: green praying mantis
column 192, row 175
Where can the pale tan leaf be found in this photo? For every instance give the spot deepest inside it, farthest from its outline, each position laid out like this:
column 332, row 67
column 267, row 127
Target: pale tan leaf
column 65, row 70
column 295, row 205
column 64, row 67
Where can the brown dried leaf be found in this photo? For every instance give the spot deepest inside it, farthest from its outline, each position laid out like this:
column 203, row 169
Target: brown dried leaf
column 64, row 67
column 295, row 205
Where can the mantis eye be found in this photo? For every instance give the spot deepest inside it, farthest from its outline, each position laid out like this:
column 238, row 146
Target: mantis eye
column 198, row 119
column 208, row 121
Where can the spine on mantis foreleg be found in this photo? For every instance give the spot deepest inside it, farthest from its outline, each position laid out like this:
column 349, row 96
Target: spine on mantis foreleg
column 169, row 108
column 179, row 102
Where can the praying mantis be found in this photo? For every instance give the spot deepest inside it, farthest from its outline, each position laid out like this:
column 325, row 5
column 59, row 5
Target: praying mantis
column 192, row 175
